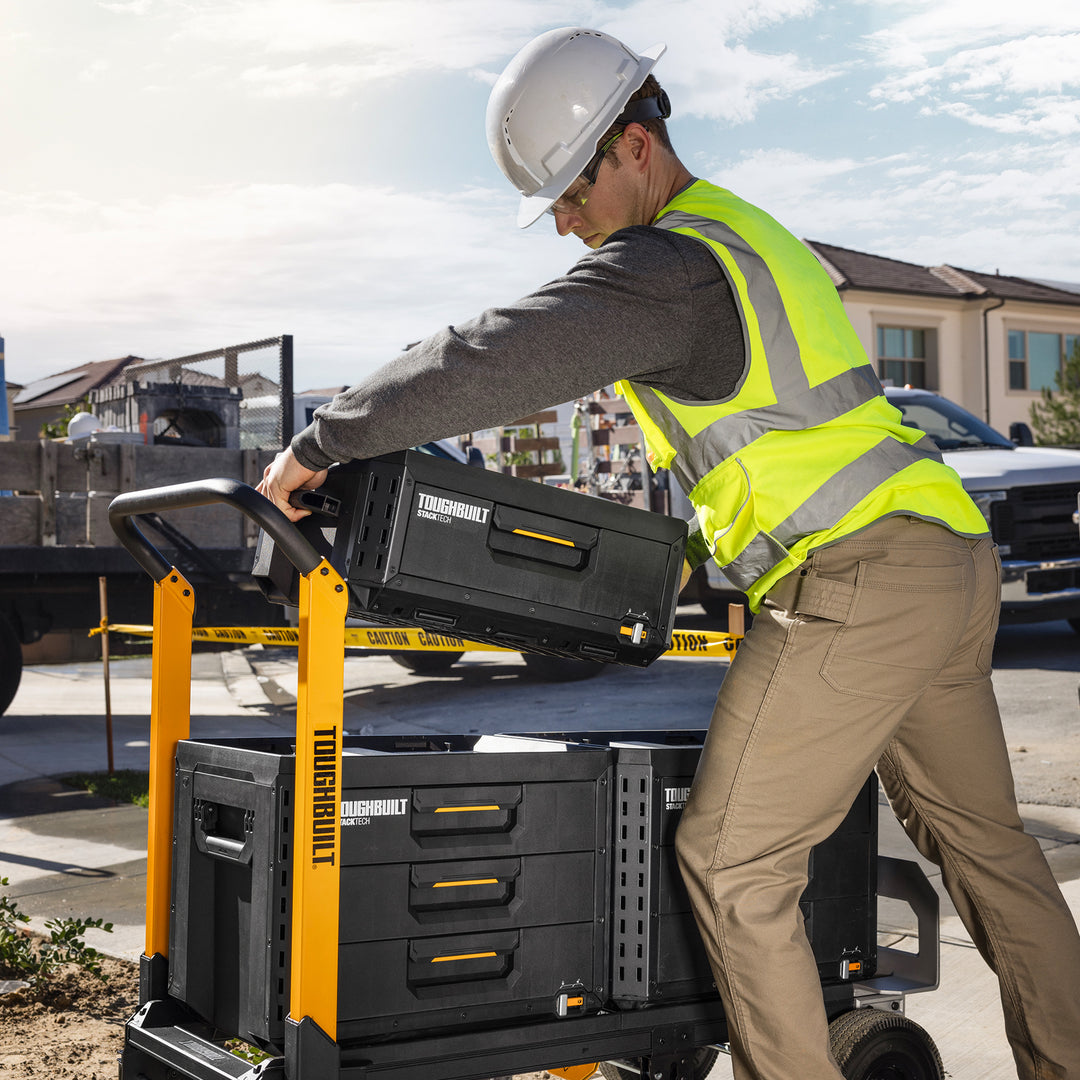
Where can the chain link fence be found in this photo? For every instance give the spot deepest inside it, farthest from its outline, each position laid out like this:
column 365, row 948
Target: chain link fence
column 236, row 397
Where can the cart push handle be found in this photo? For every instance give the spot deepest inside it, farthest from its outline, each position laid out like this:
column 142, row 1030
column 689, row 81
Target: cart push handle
column 289, row 540
column 319, row 730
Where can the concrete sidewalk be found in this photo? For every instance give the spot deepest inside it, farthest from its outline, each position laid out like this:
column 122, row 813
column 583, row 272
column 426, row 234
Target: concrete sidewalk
column 68, row 854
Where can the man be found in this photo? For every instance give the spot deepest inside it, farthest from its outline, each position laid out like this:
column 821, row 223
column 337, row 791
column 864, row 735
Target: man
column 872, row 572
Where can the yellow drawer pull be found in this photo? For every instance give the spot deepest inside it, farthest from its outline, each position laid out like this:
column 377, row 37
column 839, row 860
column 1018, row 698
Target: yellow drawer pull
column 462, row 956
column 541, row 536
column 463, row 809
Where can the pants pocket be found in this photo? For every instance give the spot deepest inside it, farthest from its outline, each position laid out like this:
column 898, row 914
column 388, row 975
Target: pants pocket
column 899, row 630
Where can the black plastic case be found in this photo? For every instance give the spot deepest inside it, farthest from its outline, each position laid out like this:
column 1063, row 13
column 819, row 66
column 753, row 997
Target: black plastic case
column 474, row 886
column 656, row 952
column 471, row 553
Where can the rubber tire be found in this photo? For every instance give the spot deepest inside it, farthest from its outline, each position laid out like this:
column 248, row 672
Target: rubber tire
column 560, row 668
column 427, row 663
column 871, row 1044
column 10, row 664
column 704, row 1060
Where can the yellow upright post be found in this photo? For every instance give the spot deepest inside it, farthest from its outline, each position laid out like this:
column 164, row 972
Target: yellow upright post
column 170, row 721
column 317, row 845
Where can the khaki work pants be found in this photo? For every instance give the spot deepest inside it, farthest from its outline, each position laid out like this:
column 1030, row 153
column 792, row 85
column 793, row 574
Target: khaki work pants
column 876, row 652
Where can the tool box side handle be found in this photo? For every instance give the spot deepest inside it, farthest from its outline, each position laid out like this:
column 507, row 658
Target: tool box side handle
column 243, row 497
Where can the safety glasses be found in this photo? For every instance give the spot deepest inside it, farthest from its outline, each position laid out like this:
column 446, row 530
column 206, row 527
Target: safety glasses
column 576, row 195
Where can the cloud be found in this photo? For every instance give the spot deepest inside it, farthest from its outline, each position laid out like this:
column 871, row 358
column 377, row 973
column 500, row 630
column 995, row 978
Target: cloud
column 346, row 46
column 354, row 272
column 1016, row 209
column 1050, row 117
column 126, row 7
column 918, row 29
column 1029, row 65
column 1003, row 67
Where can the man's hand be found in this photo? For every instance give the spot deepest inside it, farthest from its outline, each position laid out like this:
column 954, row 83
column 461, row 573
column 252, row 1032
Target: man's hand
column 687, row 570
column 282, row 477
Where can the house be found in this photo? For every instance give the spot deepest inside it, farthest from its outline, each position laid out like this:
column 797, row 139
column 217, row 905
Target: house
column 162, row 399
column 43, row 400
column 989, row 342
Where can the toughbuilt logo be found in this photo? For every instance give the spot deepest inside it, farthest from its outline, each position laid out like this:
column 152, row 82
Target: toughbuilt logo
column 675, row 797
column 361, row 811
column 324, row 798
column 439, row 508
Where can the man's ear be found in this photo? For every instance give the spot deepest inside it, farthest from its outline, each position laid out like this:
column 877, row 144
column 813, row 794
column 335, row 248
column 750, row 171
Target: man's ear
column 639, row 145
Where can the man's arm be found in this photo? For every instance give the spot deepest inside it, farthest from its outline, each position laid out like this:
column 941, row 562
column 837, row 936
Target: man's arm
column 639, row 307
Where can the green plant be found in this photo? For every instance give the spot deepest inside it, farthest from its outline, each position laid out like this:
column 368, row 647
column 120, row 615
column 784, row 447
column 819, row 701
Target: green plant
column 251, row 1054
column 124, row 785
column 64, row 945
column 57, row 429
column 16, row 945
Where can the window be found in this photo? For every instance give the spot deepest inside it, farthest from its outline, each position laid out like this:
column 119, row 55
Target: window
column 902, row 355
column 1035, row 357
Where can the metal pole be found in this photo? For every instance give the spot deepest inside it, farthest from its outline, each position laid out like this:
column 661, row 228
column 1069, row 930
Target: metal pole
column 285, row 382
column 102, row 594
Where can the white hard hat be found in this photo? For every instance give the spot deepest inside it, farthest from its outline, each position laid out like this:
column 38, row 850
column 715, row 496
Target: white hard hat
column 555, row 99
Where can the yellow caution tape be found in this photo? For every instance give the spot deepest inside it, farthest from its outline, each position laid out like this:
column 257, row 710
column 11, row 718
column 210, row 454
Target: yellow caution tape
column 413, row 639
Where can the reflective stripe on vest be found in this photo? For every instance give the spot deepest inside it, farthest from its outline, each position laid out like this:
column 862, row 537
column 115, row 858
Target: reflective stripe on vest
column 696, row 454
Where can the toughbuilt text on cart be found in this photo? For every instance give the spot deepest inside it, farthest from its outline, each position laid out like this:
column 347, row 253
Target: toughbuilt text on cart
column 324, row 797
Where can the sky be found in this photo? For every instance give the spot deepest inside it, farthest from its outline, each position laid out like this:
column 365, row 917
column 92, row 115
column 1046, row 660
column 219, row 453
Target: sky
column 180, row 175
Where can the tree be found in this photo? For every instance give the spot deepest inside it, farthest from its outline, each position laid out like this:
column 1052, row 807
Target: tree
column 1055, row 419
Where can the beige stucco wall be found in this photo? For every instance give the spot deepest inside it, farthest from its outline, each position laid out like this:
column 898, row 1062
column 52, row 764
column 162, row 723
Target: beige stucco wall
column 961, row 369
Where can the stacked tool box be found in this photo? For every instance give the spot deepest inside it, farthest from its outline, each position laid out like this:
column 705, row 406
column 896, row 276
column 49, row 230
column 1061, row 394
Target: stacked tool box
column 474, row 886
column 656, row 953
column 477, row 888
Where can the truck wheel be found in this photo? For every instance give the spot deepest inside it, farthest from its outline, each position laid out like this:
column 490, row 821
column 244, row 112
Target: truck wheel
column 704, row 1058
column 559, row 668
column 10, row 663
column 427, row 663
column 870, row 1044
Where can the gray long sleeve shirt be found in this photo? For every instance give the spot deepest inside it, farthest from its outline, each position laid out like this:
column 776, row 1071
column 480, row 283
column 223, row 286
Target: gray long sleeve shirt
column 649, row 305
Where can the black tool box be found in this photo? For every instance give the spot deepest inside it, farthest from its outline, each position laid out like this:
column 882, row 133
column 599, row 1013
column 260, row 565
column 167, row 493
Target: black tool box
column 656, row 952
column 472, row 553
column 474, row 886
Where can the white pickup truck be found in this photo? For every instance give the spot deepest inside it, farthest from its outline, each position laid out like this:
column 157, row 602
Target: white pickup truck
column 1027, row 493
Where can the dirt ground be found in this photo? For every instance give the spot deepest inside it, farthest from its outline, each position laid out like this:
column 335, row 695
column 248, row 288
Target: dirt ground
column 72, row 1026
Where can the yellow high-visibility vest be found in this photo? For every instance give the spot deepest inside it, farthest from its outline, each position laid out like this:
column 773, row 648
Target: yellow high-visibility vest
column 807, row 450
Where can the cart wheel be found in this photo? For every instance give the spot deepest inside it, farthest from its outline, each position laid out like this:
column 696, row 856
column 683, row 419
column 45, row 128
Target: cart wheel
column 10, row 664
column 427, row 663
column 870, row 1044
column 704, row 1059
